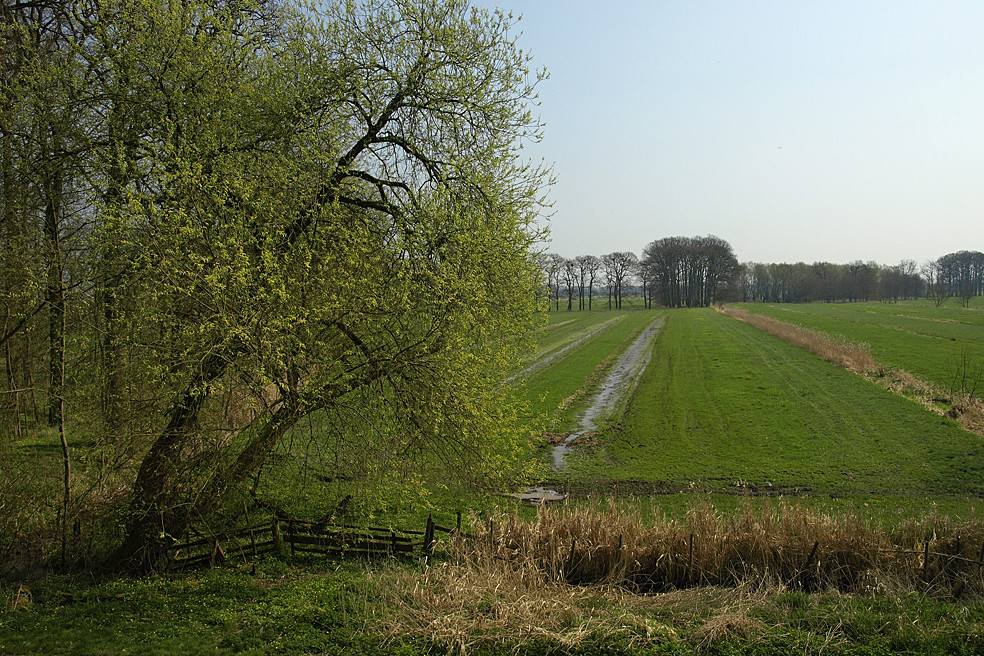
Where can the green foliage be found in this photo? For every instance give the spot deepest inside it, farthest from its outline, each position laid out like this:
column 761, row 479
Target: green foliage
column 289, row 212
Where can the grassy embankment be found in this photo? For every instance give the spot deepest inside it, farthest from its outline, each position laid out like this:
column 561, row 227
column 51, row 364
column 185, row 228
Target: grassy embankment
column 935, row 344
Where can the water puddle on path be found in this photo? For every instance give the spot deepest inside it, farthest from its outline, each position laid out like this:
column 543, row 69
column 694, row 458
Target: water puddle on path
column 621, row 379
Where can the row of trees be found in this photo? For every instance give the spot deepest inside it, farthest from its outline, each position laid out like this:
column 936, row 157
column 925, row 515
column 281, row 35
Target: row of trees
column 674, row 272
column 823, row 281
column 581, row 276
column 959, row 275
column 699, row 271
column 220, row 218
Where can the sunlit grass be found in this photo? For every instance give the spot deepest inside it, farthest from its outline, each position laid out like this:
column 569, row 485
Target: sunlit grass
column 917, row 337
column 726, row 407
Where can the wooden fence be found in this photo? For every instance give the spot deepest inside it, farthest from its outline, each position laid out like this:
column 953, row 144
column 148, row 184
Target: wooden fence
column 287, row 536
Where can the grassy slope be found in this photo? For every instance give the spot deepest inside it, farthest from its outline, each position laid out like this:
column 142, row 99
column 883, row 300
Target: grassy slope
column 305, row 494
column 724, row 403
column 917, row 337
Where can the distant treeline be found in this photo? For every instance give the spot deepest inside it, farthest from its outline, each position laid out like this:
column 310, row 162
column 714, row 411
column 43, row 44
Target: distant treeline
column 823, row 281
column 699, row 271
column 959, row 275
column 673, row 272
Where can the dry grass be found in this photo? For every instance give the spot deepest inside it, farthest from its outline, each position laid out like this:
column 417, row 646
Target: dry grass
column 853, row 357
column 787, row 545
column 466, row 604
column 967, row 410
column 577, row 575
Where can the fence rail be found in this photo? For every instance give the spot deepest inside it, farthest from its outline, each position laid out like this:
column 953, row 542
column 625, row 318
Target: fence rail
column 282, row 536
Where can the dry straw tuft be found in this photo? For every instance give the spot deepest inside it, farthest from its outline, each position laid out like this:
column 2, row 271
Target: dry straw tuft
column 578, row 575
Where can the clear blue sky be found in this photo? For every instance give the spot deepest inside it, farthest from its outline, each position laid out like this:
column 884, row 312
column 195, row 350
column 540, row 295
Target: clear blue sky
column 797, row 131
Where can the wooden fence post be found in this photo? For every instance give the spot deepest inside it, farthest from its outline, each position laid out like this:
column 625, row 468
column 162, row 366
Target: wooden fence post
column 429, row 535
column 690, row 561
column 278, row 544
column 290, row 536
column 249, row 527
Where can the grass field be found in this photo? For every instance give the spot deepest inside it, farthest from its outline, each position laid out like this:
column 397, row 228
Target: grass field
column 932, row 343
column 559, row 389
column 727, row 408
column 731, row 427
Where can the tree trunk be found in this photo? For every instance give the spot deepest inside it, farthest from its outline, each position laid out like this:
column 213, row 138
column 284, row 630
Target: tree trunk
column 156, row 517
column 55, row 296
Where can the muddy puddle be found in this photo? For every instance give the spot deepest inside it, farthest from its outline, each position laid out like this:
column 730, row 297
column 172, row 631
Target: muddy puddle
column 620, row 380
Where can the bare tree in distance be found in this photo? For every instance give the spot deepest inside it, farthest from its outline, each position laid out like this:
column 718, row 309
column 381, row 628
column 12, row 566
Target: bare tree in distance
column 936, row 289
column 570, row 273
column 591, row 265
column 618, row 269
column 552, row 266
column 587, row 268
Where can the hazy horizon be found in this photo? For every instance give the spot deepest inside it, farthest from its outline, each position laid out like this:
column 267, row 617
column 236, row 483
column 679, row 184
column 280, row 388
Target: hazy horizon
column 830, row 132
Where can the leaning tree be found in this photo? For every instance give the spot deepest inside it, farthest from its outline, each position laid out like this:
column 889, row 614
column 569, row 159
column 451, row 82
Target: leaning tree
column 294, row 212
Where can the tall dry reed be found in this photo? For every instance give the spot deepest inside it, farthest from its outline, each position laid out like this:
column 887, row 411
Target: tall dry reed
column 573, row 576
column 786, row 544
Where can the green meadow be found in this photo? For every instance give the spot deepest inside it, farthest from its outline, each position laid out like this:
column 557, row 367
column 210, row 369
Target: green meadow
column 936, row 344
column 726, row 408
column 580, row 349
column 726, row 425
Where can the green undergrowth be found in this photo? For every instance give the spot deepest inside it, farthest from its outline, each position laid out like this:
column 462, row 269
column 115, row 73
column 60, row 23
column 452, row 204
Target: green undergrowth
column 326, row 607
